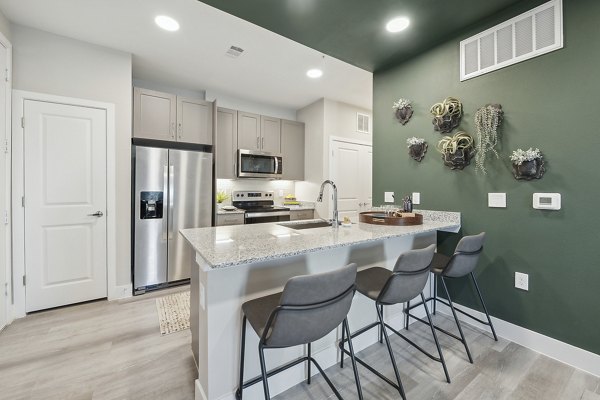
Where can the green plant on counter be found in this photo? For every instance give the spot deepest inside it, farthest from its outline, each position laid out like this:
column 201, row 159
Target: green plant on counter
column 222, row 196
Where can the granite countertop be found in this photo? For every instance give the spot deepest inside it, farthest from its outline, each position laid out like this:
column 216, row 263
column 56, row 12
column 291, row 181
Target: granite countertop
column 228, row 246
column 301, row 207
column 220, row 211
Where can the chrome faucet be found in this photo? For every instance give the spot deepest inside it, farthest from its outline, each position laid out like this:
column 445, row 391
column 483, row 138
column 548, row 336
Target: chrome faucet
column 334, row 221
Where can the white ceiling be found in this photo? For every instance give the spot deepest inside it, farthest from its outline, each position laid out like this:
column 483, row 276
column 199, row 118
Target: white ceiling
column 272, row 69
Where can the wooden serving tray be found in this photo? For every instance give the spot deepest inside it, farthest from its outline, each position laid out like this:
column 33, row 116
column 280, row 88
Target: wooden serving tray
column 381, row 218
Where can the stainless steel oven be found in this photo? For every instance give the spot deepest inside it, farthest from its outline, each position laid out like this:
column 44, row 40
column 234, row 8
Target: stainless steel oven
column 258, row 164
column 259, row 207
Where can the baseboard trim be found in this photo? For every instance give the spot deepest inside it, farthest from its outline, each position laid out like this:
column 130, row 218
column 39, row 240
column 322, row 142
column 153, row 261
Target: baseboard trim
column 568, row 354
column 121, row 292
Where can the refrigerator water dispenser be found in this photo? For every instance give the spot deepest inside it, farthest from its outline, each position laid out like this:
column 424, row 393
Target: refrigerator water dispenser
column 151, row 205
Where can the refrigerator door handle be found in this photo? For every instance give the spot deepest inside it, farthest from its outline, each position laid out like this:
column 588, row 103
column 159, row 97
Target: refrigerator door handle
column 171, row 200
column 165, row 191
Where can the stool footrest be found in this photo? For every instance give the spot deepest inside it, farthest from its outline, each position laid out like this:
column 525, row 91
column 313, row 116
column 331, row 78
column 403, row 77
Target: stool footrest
column 373, row 370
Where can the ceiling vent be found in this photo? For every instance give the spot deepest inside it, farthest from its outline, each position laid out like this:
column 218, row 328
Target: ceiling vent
column 536, row 32
column 363, row 122
column 234, row 52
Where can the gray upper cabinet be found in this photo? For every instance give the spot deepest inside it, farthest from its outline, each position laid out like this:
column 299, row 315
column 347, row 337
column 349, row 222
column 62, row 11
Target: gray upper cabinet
column 226, row 146
column 292, row 150
column 249, row 131
column 270, row 132
column 164, row 116
column 194, row 121
column 257, row 132
column 154, row 114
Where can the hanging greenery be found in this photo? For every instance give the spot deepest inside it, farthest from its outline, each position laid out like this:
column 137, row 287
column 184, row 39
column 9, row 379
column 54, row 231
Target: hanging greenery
column 446, row 115
column 487, row 120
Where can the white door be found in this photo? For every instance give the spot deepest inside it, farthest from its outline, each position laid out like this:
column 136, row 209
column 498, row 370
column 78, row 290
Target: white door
column 4, row 192
column 351, row 172
column 65, row 203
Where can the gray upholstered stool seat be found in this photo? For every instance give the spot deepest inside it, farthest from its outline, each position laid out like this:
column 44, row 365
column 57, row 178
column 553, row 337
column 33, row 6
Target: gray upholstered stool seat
column 460, row 264
column 309, row 308
column 370, row 282
column 385, row 287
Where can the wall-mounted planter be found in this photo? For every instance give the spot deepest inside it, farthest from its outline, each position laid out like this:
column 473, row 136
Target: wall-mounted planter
column 457, row 150
column 403, row 110
column 528, row 170
column 417, row 151
column 446, row 115
column 458, row 159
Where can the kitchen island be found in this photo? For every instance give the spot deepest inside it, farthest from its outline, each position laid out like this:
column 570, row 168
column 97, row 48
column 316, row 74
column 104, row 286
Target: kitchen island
column 234, row 264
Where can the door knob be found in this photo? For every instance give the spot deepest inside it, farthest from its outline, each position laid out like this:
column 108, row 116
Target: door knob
column 96, row 214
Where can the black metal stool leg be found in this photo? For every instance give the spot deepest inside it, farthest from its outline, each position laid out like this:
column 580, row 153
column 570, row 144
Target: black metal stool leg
column 434, row 294
column 407, row 319
column 389, row 347
column 309, row 363
column 238, row 393
column 437, row 343
column 380, row 330
column 354, row 368
column 464, row 341
column 263, row 370
column 342, row 347
column 487, row 314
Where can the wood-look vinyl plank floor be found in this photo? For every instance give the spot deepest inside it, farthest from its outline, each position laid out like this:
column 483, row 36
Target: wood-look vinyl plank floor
column 114, row 351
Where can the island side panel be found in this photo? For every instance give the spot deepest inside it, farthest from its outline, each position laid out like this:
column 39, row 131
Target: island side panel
column 228, row 288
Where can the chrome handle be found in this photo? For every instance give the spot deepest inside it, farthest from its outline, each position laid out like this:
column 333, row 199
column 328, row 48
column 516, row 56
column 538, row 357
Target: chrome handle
column 258, row 142
column 165, row 194
column 172, row 129
column 262, row 146
column 276, row 164
column 179, row 131
column 96, row 214
column 171, row 200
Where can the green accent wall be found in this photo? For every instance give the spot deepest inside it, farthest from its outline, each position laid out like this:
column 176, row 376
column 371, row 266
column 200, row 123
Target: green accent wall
column 550, row 102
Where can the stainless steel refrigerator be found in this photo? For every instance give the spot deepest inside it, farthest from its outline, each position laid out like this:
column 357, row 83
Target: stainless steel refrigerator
column 172, row 190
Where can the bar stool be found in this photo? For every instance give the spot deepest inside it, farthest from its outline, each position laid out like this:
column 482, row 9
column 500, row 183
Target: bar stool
column 309, row 308
column 385, row 287
column 460, row 264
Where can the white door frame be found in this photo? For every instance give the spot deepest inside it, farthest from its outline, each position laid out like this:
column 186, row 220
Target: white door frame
column 329, row 152
column 7, row 245
column 19, row 97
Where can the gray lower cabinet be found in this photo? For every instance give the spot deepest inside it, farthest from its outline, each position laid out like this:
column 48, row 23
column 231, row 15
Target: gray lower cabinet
column 226, row 143
column 292, row 150
column 165, row 116
column 230, row 219
column 297, row 215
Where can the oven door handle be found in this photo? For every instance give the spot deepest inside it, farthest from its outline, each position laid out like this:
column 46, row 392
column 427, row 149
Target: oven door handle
column 267, row 214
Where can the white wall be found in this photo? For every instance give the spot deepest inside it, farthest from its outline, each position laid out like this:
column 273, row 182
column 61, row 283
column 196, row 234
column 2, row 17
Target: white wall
column 5, row 26
column 192, row 94
column 237, row 103
column 57, row 65
column 323, row 119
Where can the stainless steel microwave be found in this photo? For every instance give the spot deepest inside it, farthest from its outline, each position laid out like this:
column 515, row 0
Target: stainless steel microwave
column 258, row 164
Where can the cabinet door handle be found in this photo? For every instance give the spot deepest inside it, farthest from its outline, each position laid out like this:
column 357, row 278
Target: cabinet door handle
column 257, row 142
column 179, row 131
column 172, row 129
column 262, row 146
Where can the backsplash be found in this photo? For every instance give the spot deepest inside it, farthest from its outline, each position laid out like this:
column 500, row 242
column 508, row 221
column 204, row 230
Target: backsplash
column 279, row 187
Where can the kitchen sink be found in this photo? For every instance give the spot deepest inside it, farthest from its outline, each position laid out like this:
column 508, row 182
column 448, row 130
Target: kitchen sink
column 306, row 225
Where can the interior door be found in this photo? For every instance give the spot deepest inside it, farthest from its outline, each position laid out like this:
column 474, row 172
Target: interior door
column 351, row 172
column 65, row 203
column 4, row 193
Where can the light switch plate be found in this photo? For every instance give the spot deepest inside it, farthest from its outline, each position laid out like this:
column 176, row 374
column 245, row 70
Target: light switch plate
column 280, row 192
column 416, row 198
column 497, row 200
column 389, row 197
column 521, row 281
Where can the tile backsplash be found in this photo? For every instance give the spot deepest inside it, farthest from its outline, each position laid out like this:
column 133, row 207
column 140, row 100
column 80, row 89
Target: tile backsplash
column 279, row 187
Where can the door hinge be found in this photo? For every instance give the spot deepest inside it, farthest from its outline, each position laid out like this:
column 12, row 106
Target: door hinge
column 5, row 217
column 22, row 122
column 6, row 146
column 22, row 201
column 5, row 289
column 24, row 280
column 6, row 75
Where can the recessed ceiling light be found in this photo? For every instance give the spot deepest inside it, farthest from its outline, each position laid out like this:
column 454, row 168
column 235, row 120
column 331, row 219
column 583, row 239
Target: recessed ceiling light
column 397, row 24
column 314, row 73
column 167, row 23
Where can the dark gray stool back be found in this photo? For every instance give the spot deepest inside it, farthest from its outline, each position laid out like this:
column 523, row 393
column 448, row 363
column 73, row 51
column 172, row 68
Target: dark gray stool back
column 465, row 257
column 311, row 306
column 411, row 273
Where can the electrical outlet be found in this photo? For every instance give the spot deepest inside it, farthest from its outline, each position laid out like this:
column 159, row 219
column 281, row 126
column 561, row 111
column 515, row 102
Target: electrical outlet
column 389, row 197
column 280, row 192
column 521, row 281
column 416, row 198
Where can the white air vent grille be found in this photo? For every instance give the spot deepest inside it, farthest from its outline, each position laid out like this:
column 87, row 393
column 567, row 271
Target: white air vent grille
column 234, row 51
column 528, row 35
column 363, row 122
